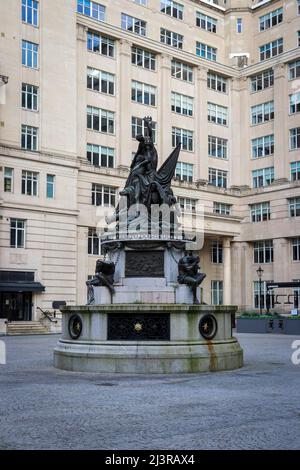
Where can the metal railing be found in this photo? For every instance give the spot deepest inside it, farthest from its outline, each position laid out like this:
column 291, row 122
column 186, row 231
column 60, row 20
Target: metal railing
column 47, row 314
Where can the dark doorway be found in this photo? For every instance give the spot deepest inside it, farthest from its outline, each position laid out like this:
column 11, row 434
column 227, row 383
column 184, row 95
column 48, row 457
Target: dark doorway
column 16, row 306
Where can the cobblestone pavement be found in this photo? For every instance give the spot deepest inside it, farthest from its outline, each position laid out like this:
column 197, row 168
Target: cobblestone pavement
column 256, row 407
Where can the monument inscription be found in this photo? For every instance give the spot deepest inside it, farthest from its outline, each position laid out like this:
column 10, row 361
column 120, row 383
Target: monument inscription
column 144, row 264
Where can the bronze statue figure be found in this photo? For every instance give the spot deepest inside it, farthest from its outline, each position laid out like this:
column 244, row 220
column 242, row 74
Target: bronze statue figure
column 189, row 273
column 104, row 276
column 145, row 184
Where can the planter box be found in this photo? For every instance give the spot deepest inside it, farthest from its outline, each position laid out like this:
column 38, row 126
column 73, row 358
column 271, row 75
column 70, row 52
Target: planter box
column 251, row 325
column 287, row 326
column 292, row 326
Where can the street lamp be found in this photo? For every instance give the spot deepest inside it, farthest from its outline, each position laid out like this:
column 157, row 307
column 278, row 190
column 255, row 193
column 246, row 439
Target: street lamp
column 260, row 272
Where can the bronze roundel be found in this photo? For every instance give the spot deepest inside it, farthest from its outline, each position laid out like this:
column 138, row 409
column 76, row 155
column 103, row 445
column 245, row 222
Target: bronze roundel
column 208, row 326
column 75, row 326
column 138, row 327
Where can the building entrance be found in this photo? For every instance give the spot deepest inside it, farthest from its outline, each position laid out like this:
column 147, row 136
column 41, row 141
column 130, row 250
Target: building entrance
column 16, row 306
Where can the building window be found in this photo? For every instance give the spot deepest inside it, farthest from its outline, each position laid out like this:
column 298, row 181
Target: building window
column 134, row 25
column 29, row 137
column 30, row 183
column 171, row 8
column 141, row 2
column 262, row 177
column 295, row 103
column 184, row 171
column 271, row 49
column 262, row 80
column 100, row 120
column 171, row 39
column 100, row 44
column 143, row 93
column 30, row 12
column 182, row 71
column 271, row 19
column 294, row 70
column 296, row 249
column 98, row 155
column 138, row 127
column 295, row 138
column 206, row 22
column 298, row 38
column 263, row 146
column 183, row 136
column 29, row 97
column 217, row 114
column 216, row 82
column 260, row 212
column 187, row 204
column 8, row 180
column 261, row 302
column 263, row 251
column 143, row 58
column 17, row 233
column 298, row 7
column 217, row 177
column 103, row 195
column 92, row 9
column 98, row 80
column 239, row 25
column 94, row 245
column 221, row 208
column 217, row 147
column 262, row 113
column 206, row 52
column 294, row 207
column 217, row 292
column 216, row 252
column 295, row 171
column 30, row 54
column 50, row 186
column 182, row 104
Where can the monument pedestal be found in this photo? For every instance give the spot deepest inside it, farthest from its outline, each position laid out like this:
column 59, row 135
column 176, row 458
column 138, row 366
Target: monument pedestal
column 148, row 339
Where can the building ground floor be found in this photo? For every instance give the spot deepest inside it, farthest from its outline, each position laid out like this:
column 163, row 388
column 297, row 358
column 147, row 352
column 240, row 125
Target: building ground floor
column 232, row 277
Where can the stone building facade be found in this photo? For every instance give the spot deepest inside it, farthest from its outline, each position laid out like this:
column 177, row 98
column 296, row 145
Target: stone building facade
column 77, row 77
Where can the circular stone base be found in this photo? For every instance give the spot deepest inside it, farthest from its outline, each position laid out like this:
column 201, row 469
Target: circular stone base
column 148, row 357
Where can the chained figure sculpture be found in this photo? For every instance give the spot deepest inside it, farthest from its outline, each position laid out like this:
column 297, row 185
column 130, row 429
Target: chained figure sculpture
column 189, row 273
column 104, row 276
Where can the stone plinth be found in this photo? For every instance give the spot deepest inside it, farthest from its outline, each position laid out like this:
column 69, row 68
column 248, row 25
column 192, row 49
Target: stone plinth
column 147, row 338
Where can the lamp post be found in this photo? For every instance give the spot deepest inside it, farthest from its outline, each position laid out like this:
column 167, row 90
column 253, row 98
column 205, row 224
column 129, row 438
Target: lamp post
column 260, row 272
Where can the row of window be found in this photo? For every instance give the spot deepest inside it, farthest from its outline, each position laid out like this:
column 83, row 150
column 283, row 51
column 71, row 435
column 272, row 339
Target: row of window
column 30, row 12
column 29, row 183
column 103, row 121
column 146, row 59
column 262, row 250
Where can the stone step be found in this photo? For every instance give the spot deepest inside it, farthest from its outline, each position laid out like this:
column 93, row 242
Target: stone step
column 26, row 328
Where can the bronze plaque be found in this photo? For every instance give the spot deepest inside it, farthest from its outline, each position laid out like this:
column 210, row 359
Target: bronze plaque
column 144, row 264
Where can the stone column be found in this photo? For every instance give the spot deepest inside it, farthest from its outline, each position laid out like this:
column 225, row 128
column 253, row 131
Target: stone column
column 226, row 272
column 201, row 125
column 82, row 264
column 164, row 126
column 281, row 134
column 123, row 119
column 239, row 150
column 81, row 90
column 281, row 263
